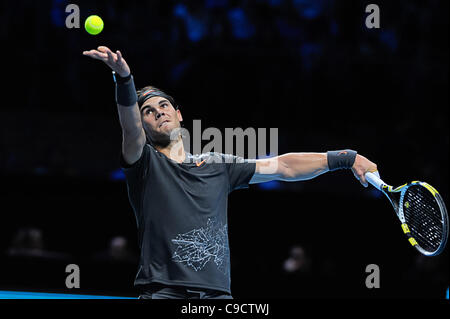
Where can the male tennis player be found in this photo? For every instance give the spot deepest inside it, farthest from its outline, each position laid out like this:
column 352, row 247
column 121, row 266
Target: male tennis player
column 180, row 200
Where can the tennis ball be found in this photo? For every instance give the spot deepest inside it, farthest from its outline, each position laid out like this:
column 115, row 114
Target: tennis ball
column 93, row 25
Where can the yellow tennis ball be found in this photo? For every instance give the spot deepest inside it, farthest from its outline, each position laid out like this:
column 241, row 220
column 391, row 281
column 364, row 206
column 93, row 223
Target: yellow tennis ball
column 94, row 25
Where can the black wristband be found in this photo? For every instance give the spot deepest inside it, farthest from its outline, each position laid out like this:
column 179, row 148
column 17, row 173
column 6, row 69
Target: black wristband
column 118, row 79
column 125, row 90
column 341, row 159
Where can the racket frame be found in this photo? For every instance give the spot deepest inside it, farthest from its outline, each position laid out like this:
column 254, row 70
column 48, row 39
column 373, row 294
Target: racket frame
column 374, row 179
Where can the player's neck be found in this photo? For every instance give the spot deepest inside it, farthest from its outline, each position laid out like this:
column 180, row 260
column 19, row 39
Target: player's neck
column 174, row 150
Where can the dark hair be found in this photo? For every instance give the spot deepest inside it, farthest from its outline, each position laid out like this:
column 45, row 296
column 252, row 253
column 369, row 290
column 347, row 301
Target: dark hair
column 143, row 95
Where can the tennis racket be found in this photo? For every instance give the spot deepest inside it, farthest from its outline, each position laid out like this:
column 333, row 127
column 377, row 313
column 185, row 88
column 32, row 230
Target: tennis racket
column 421, row 211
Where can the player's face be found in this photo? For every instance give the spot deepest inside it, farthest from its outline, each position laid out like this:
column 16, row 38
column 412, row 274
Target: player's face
column 159, row 115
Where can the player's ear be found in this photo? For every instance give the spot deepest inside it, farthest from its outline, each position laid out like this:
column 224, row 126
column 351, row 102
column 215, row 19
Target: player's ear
column 180, row 118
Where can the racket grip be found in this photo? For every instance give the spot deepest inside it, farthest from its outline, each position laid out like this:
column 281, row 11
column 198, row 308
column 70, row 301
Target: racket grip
column 375, row 180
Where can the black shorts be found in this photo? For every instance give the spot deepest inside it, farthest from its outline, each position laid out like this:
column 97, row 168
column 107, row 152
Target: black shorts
column 160, row 291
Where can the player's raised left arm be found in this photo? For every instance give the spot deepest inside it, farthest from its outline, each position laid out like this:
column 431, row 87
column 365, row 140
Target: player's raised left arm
column 293, row 167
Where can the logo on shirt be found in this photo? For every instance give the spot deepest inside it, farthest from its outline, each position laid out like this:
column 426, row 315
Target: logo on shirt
column 199, row 246
column 199, row 163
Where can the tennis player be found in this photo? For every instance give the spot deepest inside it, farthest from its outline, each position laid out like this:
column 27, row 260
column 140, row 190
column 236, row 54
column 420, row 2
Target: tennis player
column 180, row 199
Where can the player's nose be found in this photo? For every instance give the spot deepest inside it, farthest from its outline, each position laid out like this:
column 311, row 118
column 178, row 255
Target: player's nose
column 159, row 114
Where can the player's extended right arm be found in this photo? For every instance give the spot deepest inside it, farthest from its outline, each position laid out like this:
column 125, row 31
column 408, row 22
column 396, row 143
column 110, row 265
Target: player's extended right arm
column 133, row 135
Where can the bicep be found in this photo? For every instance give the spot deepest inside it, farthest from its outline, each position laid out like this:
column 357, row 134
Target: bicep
column 269, row 169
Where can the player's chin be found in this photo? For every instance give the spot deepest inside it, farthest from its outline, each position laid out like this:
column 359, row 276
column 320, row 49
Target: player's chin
column 169, row 127
column 168, row 131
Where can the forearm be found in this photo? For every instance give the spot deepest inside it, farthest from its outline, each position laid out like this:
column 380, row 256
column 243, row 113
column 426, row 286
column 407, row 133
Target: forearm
column 133, row 135
column 130, row 120
column 127, row 107
column 302, row 166
column 293, row 167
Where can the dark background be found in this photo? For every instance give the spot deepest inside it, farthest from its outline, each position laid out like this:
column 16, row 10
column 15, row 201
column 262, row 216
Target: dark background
column 310, row 68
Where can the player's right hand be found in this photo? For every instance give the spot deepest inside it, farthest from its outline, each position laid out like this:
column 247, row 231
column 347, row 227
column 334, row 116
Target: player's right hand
column 114, row 60
column 361, row 166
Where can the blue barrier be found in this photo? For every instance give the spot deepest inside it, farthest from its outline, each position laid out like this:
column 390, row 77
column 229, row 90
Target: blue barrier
column 40, row 295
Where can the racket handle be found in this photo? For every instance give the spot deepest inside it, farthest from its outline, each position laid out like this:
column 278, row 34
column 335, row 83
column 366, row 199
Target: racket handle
column 375, row 180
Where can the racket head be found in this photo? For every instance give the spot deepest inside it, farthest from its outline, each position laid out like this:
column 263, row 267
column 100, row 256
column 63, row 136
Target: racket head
column 424, row 217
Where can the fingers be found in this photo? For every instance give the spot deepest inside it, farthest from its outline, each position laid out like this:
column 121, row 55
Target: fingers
column 363, row 180
column 110, row 56
column 96, row 55
column 104, row 54
column 103, row 48
column 361, row 166
column 119, row 56
column 360, row 177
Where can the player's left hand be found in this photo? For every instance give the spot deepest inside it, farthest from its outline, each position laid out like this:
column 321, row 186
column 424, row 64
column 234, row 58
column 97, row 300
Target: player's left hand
column 114, row 60
column 361, row 166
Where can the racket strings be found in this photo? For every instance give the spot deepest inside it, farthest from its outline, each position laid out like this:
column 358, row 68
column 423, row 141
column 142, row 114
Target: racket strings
column 423, row 216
